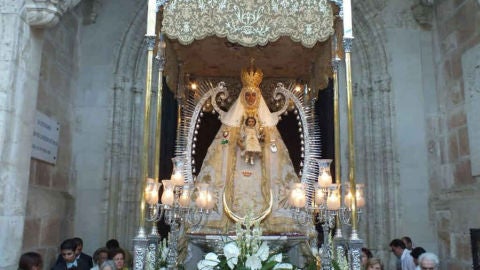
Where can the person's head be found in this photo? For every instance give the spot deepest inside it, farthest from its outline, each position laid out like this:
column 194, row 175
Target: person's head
column 30, row 261
column 397, row 246
column 79, row 242
column 251, row 122
column 428, row 261
column 366, row 254
column 112, row 244
column 100, row 255
column 107, row 265
column 408, row 242
column 118, row 257
column 416, row 252
column 251, row 97
column 374, row 264
column 67, row 250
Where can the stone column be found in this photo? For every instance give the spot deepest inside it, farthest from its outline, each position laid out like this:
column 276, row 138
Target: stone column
column 20, row 57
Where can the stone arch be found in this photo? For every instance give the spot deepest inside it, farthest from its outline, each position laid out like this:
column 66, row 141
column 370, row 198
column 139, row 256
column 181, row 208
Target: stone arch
column 123, row 166
column 374, row 125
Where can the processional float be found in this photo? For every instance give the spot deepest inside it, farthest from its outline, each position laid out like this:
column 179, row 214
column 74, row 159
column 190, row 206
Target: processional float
column 186, row 204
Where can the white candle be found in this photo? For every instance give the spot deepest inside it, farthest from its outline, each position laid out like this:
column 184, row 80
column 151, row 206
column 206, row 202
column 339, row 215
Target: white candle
column 151, row 191
column 177, row 178
column 184, row 199
column 210, row 202
column 333, row 201
column 151, row 17
column 324, row 179
column 297, row 196
column 319, row 197
column 360, row 200
column 347, row 19
column 201, row 200
column 167, row 195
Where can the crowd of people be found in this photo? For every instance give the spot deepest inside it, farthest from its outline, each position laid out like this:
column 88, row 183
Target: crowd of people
column 408, row 257
column 71, row 257
column 112, row 257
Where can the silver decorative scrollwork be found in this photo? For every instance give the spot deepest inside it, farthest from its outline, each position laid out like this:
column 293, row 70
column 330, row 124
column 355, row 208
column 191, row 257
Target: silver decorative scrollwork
column 140, row 253
column 249, row 23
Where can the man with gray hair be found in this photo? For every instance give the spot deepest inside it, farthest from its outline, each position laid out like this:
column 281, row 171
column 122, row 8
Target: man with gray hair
column 428, row 261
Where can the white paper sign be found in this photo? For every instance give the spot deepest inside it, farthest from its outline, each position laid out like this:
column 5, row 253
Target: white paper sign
column 45, row 138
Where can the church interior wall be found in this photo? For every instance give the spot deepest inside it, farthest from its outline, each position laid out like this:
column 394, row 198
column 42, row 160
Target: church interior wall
column 454, row 185
column 19, row 64
column 373, row 128
column 409, row 45
column 392, row 162
column 108, row 107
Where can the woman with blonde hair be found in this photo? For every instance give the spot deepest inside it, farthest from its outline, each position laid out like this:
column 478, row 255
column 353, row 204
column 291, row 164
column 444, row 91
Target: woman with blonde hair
column 374, row 264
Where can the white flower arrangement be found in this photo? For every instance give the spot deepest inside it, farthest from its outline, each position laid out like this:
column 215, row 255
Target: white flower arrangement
column 162, row 253
column 247, row 252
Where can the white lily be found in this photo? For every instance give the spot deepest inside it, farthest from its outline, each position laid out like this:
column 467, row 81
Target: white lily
column 253, row 262
column 283, row 266
column 231, row 252
column 263, row 251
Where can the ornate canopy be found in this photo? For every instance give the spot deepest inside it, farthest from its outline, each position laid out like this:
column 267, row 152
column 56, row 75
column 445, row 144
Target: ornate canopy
column 249, row 22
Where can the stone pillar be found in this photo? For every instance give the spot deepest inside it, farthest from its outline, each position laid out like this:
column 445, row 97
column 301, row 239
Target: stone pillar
column 20, row 58
column 20, row 53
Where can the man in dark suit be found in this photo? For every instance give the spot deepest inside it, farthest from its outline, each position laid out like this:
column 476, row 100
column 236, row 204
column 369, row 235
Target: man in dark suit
column 68, row 260
column 85, row 259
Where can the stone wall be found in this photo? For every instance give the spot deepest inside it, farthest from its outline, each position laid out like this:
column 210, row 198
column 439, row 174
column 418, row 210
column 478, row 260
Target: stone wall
column 51, row 196
column 19, row 64
column 455, row 200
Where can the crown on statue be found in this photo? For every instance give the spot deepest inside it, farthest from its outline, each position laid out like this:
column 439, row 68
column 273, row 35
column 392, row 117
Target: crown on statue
column 251, row 114
column 252, row 76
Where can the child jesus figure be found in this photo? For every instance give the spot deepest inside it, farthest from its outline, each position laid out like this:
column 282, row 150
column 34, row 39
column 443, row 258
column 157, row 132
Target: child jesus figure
column 252, row 135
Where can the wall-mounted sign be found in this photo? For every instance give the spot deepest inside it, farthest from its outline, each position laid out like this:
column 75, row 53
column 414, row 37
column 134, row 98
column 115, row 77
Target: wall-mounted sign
column 45, row 138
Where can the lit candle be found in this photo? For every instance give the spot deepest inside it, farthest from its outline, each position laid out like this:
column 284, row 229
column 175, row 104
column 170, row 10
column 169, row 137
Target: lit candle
column 324, row 179
column 153, row 194
column 148, row 187
column 210, row 202
column 202, row 199
column 319, row 196
column 168, row 195
column 333, row 201
column 151, row 17
column 184, row 199
column 297, row 196
column 151, row 191
column 360, row 199
column 177, row 178
column 347, row 19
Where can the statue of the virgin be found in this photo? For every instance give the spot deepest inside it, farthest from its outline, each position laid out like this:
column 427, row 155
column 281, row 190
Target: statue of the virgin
column 248, row 166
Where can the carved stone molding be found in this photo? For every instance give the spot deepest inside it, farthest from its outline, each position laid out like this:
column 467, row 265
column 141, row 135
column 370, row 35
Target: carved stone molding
column 423, row 13
column 46, row 13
